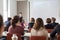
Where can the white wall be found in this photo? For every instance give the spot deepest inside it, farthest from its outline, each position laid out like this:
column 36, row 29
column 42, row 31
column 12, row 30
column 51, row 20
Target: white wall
column 59, row 7
column 21, row 0
column 44, row 9
column 1, row 7
column 13, row 7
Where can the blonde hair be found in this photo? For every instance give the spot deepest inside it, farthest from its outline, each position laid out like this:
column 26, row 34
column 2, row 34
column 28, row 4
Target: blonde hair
column 39, row 23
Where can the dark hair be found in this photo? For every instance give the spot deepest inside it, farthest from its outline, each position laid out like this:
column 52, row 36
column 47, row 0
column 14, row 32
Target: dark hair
column 53, row 19
column 1, row 21
column 48, row 20
column 9, row 18
column 32, row 20
column 15, row 20
column 39, row 23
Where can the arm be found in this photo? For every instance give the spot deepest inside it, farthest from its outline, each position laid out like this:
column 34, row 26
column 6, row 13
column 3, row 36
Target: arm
column 53, row 33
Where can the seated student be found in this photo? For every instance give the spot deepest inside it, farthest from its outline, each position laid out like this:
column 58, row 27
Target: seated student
column 32, row 21
column 53, row 33
column 48, row 25
column 53, row 22
column 15, row 27
column 8, row 23
column 1, row 27
column 39, row 29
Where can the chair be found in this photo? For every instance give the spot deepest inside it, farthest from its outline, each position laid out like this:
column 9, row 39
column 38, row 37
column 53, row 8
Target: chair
column 9, row 36
column 38, row 38
column 58, row 37
column 49, row 30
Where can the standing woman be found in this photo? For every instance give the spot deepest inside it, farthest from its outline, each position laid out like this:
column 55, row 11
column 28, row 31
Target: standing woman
column 1, row 26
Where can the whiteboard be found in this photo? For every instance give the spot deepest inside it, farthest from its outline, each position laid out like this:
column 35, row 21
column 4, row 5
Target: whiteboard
column 44, row 9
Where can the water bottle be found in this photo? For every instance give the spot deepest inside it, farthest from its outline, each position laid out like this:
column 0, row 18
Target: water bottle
column 14, row 37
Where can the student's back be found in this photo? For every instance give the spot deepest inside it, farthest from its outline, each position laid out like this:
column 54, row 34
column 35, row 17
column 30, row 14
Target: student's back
column 32, row 21
column 39, row 29
column 40, row 32
column 49, row 26
column 15, row 27
column 30, row 25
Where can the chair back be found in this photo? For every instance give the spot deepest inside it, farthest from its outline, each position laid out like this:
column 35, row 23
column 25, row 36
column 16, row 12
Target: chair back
column 49, row 30
column 38, row 38
column 9, row 36
column 58, row 37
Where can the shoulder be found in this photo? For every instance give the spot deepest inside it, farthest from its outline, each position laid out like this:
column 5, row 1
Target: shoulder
column 44, row 30
column 10, row 27
column 33, row 30
column 58, row 26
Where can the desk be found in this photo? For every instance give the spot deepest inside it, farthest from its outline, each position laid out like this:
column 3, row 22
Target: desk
column 4, row 33
column 26, row 34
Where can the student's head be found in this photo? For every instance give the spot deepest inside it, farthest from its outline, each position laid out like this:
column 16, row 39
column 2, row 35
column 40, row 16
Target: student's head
column 9, row 18
column 1, row 21
column 20, row 14
column 16, row 21
column 53, row 19
column 32, row 20
column 38, row 24
column 48, row 20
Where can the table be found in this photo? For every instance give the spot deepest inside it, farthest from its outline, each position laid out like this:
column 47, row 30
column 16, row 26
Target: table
column 25, row 34
column 4, row 33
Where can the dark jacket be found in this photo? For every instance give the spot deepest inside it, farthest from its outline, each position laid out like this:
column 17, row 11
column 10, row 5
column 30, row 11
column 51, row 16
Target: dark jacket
column 56, row 30
column 54, row 24
column 30, row 25
column 48, row 26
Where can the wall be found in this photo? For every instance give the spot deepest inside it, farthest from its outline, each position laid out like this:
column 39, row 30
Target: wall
column 12, row 8
column 44, row 9
column 1, row 7
column 21, row 0
column 59, row 7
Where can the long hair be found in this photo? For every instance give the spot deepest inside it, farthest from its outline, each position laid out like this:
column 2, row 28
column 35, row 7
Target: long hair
column 15, row 20
column 39, row 23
